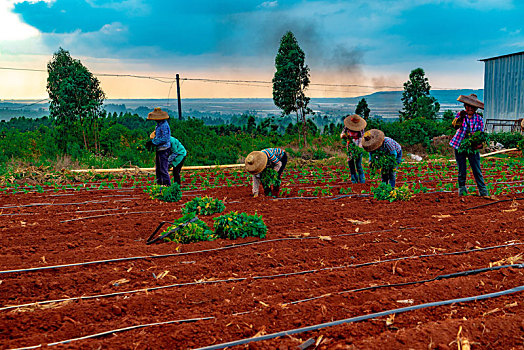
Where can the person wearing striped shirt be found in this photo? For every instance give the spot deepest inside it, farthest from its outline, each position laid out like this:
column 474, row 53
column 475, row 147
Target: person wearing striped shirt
column 257, row 161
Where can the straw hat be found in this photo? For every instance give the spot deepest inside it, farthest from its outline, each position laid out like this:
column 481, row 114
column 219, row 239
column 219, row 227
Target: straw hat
column 355, row 122
column 372, row 140
column 256, row 162
column 157, row 114
column 471, row 100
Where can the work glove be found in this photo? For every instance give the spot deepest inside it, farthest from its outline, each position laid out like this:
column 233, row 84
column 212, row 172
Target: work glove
column 152, row 135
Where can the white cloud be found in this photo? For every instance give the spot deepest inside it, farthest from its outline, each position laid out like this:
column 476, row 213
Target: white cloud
column 269, row 4
column 11, row 27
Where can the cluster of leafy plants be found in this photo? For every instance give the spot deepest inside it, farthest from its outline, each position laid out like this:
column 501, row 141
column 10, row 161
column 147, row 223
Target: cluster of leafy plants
column 204, row 206
column 471, row 143
column 354, row 151
column 239, row 225
column 520, row 146
column 269, row 177
column 384, row 191
column 195, row 231
column 383, row 160
column 164, row 193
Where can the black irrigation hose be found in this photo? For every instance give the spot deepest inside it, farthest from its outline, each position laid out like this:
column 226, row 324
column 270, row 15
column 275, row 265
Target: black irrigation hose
column 292, row 331
column 362, row 318
column 437, row 278
column 240, row 279
column 104, row 215
column 495, row 202
column 50, row 204
column 116, row 331
column 231, row 246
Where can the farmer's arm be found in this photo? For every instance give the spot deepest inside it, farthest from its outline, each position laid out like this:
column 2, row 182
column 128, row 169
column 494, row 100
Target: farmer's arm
column 277, row 166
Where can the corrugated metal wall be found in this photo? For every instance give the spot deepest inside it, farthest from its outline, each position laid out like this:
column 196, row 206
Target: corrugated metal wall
column 504, row 88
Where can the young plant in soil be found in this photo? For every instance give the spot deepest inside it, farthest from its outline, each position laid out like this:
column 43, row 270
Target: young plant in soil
column 204, row 206
column 239, row 225
column 195, row 231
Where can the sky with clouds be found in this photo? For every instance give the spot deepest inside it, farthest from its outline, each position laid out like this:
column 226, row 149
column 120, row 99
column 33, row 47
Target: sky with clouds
column 370, row 43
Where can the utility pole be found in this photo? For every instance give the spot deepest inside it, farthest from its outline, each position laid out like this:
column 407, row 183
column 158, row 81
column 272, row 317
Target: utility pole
column 178, row 97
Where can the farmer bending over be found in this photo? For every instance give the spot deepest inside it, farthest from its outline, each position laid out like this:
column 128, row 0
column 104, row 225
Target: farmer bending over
column 258, row 161
column 384, row 150
column 160, row 138
column 177, row 158
column 353, row 131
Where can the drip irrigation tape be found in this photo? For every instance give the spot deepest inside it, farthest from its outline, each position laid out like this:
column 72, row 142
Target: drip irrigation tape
column 437, row 278
column 231, row 246
column 151, row 240
column 304, row 329
column 363, row 318
column 240, row 279
column 116, row 331
column 495, row 202
column 103, row 215
column 50, row 204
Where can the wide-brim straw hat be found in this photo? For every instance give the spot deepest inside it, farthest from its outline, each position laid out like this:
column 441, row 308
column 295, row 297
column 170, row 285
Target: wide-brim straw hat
column 372, row 140
column 256, row 162
column 158, row 114
column 471, row 100
column 355, row 122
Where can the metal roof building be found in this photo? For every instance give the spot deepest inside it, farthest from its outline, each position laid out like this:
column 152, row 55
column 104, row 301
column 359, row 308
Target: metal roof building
column 504, row 92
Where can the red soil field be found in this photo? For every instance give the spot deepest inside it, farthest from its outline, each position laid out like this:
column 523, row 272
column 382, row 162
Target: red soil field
column 307, row 271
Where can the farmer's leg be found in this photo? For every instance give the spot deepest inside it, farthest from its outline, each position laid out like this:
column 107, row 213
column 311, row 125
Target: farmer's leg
column 352, row 170
column 176, row 171
column 474, row 161
column 461, row 165
column 284, row 162
column 360, row 170
column 162, row 168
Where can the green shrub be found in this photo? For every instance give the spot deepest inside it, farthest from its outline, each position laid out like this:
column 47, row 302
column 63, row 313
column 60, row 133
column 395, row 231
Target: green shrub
column 239, row 225
column 164, row 193
column 204, row 205
column 195, row 231
column 508, row 139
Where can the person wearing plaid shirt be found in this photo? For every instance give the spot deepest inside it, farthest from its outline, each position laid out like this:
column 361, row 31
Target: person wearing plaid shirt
column 467, row 122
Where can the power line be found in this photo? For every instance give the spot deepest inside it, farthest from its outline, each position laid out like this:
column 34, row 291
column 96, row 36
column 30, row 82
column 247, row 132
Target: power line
column 169, row 80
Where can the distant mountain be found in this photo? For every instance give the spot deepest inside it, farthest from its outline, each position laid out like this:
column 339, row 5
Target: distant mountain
column 385, row 104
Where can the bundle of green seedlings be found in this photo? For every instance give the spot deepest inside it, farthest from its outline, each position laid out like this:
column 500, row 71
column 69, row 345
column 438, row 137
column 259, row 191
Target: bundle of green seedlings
column 204, row 206
column 384, row 191
column 383, row 160
column 164, row 193
column 354, row 151
column 269, row 179
column 473, row 142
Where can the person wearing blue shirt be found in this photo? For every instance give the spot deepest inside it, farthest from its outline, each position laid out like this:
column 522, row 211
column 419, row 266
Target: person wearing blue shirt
column 161, row 139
